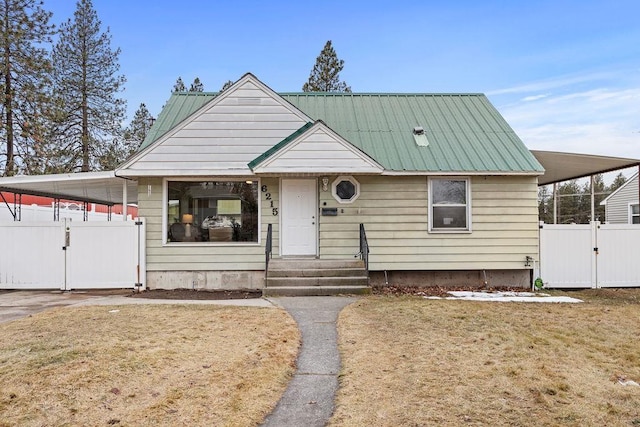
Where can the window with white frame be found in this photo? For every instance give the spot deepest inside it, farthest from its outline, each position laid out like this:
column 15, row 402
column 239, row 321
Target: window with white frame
column 634, row 213
column 212, row 211
column 449, row 204
column 345, row 189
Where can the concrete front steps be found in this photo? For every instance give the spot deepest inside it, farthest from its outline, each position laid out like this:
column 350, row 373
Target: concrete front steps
column 316, row 277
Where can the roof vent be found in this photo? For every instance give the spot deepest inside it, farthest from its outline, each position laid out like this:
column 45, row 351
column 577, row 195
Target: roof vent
column 420, row 137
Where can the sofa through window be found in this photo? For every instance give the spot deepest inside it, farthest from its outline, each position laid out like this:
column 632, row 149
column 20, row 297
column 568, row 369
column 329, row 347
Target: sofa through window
column 212, row 211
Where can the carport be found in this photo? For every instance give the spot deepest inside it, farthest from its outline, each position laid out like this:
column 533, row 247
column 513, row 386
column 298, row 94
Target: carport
column 560, row 167
column 104, row 188
column 64, row 254
column 591, row 255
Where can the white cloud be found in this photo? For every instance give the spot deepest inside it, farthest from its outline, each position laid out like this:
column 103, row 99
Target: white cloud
column 597, row 120
column 534, row 97
column 559, row 82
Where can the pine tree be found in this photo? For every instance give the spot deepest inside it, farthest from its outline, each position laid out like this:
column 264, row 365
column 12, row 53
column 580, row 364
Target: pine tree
column 137, row 130
column 87, row 83
column 545, row 204
column 584, row 208
column 574, row 201
column 179, row 86
column 196, row 86
column 569, row 202
column 226, row 86
column 132, row 137
column 618, row 182
column 325, row 75
column 24, row 85
column 600, row 193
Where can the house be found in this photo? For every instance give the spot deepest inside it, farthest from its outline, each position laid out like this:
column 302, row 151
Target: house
column 444, row 189
column 621, row 206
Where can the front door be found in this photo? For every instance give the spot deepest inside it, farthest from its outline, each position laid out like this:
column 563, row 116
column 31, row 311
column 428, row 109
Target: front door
column 299, row 211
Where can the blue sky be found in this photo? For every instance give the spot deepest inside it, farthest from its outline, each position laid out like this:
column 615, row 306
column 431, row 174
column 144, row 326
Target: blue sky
column 565, row 74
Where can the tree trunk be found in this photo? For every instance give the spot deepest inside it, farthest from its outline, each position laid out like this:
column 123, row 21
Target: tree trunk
column 85, row 111
column 85, row 134
column 8, row 101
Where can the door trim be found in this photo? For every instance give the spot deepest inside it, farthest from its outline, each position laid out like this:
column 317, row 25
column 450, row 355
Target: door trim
column 283, row 215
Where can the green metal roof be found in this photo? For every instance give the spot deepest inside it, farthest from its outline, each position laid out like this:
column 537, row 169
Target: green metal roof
column 465, row 132
column 180, row 106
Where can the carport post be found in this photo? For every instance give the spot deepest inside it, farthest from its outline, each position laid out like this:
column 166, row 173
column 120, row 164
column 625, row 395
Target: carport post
column 124, row 199
column 593, row 201
column 555, row 202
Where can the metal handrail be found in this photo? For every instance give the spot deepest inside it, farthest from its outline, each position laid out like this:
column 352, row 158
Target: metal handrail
column 364, row 248
column 268, row 250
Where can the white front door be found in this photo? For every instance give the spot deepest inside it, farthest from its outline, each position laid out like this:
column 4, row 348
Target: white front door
column 299, row 211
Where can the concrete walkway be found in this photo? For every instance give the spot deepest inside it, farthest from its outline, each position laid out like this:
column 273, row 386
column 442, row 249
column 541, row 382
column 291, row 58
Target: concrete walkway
column 309, row 398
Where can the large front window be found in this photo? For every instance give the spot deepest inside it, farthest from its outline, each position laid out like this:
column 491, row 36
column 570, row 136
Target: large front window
column 449, row 204
column 212, row 211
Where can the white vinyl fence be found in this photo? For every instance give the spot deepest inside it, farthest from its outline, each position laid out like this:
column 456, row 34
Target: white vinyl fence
column 590, row 256
column 70, row 255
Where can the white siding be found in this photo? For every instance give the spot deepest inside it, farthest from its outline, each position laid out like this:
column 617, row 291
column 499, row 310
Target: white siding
column 394, row 211
column 319, row 151
column 617, row 207
column 234, row 130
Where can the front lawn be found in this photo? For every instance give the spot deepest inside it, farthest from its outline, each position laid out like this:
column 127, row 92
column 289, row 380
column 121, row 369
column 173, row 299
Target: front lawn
column 145, row 365
column 411, row 361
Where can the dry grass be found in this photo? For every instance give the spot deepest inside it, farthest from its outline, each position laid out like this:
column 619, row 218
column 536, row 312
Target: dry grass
column 414, row 362
column 145, row 365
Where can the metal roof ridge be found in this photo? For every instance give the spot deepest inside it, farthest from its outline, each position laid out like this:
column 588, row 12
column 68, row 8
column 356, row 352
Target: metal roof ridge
column 387, row 94
column 192, row 93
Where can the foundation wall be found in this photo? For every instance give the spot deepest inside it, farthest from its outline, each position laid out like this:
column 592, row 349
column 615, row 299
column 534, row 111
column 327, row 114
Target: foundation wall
column 453, row 279
column 205, row 280
column 231, row 280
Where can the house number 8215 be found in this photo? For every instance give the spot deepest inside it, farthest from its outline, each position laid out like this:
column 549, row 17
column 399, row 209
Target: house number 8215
column 267, row 196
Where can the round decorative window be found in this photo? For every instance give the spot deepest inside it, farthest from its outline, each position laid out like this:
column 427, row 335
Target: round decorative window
column 345, row 189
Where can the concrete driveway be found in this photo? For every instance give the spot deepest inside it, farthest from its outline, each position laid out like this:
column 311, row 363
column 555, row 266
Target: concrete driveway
column 17, row 304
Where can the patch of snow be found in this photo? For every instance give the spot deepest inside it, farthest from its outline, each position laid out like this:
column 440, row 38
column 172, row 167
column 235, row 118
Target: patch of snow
column 629, row 382
column 506, row 297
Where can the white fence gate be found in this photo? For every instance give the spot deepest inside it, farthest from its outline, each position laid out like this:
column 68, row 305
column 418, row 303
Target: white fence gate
column 69, row 255
column 590, row 256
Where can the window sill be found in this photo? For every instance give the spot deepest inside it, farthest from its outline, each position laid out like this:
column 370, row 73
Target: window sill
column 449, row 231
column 208, row 244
